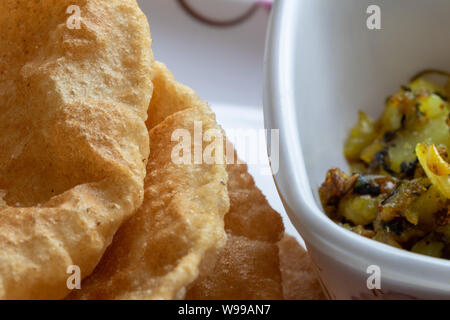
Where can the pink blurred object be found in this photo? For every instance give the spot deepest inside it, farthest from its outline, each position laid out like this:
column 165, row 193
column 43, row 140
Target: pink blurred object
column 265, row 3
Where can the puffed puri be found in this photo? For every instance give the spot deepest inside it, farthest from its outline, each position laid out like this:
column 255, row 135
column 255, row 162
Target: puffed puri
column 75, row 85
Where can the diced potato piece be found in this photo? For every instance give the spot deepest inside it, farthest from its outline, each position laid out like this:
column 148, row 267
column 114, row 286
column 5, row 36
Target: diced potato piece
column 361, row 210
column 423, row 208
column 433, row 106
column 391, row 119
column 360, row 136
column 399, row 202
column 432, row 131
column 429, row 248
column 369, row 152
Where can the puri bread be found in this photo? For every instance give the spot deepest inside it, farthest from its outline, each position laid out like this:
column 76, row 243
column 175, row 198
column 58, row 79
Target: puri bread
column 158, row 252
column 259, row 261
column 248, row 267
column 299, row 279
column 73, row 141
column 156, row 255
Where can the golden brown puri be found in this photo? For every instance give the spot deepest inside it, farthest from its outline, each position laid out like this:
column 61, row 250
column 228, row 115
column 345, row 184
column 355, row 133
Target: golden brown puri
column 248, row 267
column 246, row 270
column 171, row 96
column 157, row 253
column 160, row 251
column 250, row 215
column 297, row 272
column 258, row 261
column 73, row 140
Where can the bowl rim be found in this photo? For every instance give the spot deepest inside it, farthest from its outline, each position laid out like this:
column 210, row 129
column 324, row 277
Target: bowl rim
column 292, row 180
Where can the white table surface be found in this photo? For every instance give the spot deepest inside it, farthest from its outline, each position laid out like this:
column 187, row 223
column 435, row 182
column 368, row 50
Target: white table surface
column 224, row 66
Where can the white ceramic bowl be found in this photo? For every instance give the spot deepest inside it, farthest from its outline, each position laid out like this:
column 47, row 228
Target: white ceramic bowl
column 322, row 65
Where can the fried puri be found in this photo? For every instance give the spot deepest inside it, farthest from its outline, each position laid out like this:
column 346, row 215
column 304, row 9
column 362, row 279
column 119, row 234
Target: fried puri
column 259, row 261
column 158, row 252
column 73, row 140
column 156, row 255
column 248, row 266
column 299, row 278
